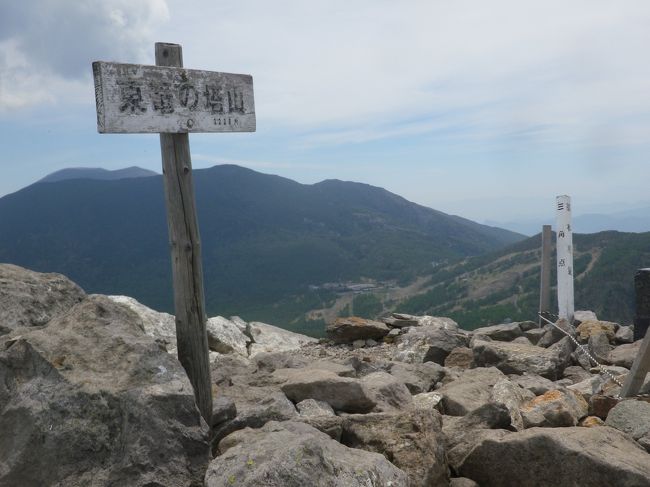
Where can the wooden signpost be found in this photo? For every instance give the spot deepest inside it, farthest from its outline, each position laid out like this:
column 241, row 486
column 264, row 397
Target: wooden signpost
column 545, row 275
column 173, row 101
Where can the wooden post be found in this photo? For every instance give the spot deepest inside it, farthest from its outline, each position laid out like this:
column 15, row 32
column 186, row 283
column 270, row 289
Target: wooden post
column 640, row 367
column 564, row 248
column 545, row 274
column 189, row 301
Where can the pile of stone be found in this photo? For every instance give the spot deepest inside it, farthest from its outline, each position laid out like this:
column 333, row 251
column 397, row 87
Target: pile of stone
column 91, row 395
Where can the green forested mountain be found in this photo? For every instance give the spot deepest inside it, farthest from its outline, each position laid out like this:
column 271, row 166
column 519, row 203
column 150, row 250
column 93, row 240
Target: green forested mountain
column 265, row 239
column 505, row 284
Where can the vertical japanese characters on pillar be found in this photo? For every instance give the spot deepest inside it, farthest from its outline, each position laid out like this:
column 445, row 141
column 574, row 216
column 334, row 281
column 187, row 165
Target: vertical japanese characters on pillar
column 564, row 247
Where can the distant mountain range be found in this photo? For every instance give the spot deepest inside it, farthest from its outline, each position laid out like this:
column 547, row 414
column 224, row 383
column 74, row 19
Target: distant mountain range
column 634, row 220
column 97, row 173
column 265, row 239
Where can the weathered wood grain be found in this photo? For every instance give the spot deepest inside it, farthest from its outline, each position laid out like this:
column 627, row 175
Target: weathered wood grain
column 135, row 98
column 185, row 245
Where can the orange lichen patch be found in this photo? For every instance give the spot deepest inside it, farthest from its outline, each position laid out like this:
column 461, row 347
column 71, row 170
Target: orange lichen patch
column 549, row 396
column 591, row 421
column 593, row 327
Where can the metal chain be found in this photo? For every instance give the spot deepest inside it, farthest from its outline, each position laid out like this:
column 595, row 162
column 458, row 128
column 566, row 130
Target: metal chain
column 602, row 369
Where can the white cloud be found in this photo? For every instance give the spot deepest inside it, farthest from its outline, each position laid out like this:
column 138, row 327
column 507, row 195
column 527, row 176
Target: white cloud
column 46, row 47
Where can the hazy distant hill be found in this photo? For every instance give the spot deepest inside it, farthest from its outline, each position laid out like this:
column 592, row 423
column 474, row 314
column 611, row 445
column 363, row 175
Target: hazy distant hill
column 634, row 220
column 505, row 284
column 265, row 238
column 97, row 173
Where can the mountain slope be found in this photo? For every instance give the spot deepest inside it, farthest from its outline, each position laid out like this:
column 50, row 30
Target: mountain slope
column 491, row 288
column 265, row 239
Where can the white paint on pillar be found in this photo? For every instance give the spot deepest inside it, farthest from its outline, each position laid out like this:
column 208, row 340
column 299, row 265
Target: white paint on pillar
column 564, row 247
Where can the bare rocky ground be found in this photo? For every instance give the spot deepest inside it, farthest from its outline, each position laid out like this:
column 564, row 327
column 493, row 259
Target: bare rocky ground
column 91, row 394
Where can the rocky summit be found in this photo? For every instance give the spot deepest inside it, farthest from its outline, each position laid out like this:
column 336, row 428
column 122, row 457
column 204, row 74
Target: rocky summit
column 92, row 394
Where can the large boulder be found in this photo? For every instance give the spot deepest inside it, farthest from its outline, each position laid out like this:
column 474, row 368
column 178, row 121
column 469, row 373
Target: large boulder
column 412, row 441
column 342, row 393
column 160, row 326
column 417, row 378
column 632, row 417
column 90, row 400
column 517, row 358
column 29, row 298
column 554, row 408
column 388, row 393
column 348, row 330
column 224, row 336
column 471, row 390
column 511, row 396
column 294, row 454
column 544, row 457
column 505, row 332
column 590, row 328
column 624, row 355
column 269, row 338
column 427, row 344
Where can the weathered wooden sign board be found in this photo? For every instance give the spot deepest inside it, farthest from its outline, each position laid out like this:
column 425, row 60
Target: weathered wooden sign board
column 173, row 101
column 133, row 98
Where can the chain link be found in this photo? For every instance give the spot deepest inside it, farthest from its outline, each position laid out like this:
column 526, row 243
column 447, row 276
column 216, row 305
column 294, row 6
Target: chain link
column 602, row 369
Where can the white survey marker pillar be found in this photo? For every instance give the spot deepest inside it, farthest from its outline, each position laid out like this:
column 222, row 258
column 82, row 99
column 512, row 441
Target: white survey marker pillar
column 564, row 248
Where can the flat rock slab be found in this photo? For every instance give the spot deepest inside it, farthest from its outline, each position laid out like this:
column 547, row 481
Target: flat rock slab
column 506, row 332
column 90, row 400
column 624, row 355
column 29, row 298
column 427, row 344
column 594, row 457
column 517, row 358
column 294, row 454
column 554, row 408
column 348, row 330
column 269, row 338
column 342, row 393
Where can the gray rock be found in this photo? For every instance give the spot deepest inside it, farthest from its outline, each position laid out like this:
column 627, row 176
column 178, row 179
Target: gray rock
column 534, row 335
column 512, row 397
column 412, row 441
column 417, row 378
column 256, row 406
column 506, row 332
column 461, row 357
column 371, row 343
column 347, row 330
column 387, row 392
column 427, row 400
column 470, row 391
column 397, row 322
column 523, row 340
column 271, row 361
column 160, row 326
column 515, row 358
column 30, row 298
column 588, row 387
column 226, row 368
column 576, row 374
column 462, row 482
column 534, row 383
column 564, row 349
column 599, row 347
column 342, row 393
column 224, row 336
column 427, row 344
column 597, row 457
column 223, row 409
column 312, row 407
column 554, row 408
column 437, row 323
column 624, row 355
column 584, row 315
column 332, row 426
column 269, row 338
column 625, row 334
column 90, row 400
column 394, row 333
column 240, row 323
column 552, row 334
column 632, row 417
column 294, row 454
column 357, row 344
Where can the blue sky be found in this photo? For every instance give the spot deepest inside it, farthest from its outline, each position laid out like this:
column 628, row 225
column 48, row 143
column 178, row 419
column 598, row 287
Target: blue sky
column 483, row 109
